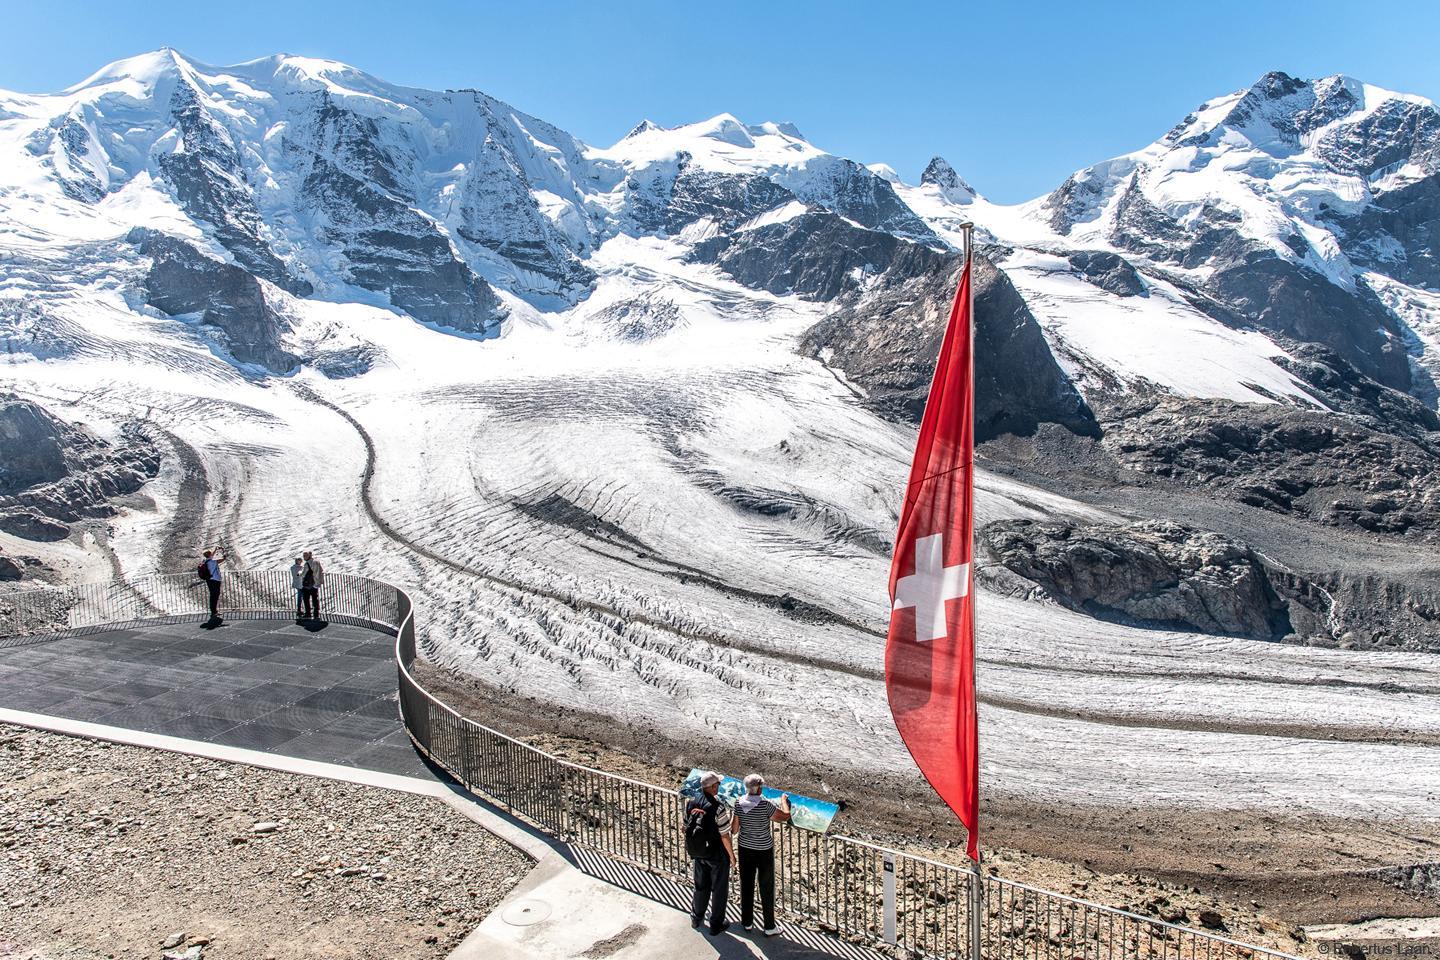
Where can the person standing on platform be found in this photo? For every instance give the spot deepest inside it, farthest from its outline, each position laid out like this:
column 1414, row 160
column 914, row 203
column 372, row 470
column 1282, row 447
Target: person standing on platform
column 210, row 574
column 707, row 841
column 751, row 826
column 312, row 578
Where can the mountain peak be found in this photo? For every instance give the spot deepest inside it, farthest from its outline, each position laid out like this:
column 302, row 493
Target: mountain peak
column 642, row 128
column 940, row 175
column 144, row 68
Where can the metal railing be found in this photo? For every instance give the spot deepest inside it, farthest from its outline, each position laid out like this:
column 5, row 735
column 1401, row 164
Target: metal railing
column 849, row 888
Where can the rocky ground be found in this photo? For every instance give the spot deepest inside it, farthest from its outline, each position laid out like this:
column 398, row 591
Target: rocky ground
column 115, row 851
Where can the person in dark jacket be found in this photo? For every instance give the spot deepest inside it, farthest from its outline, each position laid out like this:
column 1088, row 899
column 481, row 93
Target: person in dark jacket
column 751, row 825
column 707, row 838
column 210, row 568
column 312, row 578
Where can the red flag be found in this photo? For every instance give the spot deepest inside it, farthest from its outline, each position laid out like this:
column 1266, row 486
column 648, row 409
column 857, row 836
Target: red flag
column 930, row 653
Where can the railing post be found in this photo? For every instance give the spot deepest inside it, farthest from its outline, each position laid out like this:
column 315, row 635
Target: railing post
column 977, row 909
column 888, row 885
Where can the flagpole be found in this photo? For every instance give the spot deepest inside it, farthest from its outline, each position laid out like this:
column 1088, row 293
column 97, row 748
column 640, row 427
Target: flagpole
column 977, row 878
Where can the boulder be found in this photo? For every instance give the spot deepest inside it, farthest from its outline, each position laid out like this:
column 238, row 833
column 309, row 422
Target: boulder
column 1155, row 574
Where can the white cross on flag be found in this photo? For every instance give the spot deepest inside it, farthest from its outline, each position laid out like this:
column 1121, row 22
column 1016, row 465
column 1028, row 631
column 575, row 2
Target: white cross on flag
column 930, row 652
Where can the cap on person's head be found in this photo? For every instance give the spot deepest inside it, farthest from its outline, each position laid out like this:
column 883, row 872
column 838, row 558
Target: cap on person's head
column 753, row 782
column 710, row 779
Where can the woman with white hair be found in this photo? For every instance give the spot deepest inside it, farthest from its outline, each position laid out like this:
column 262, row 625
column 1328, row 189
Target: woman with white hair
column 751, row 826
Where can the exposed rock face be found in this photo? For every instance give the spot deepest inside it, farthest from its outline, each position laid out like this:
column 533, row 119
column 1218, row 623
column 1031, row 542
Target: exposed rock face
column 359, row 194
column 209, row 182
column 886, row 341
column 497, row 212
column 52, row 473
column 939, row 174
column 10, row 568
column 646, row 317
column 1108, row 271
column 729, row 199
column 1340, row 386
column 1282, row 296
column 14, row 568
column 1326, row 467
column 816, row 255
column 857, row 194
column 31, row 446
column 183, row 280
column 1157, row 574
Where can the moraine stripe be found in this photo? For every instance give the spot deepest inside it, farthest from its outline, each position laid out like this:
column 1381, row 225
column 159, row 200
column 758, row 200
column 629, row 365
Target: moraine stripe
column 755, row 826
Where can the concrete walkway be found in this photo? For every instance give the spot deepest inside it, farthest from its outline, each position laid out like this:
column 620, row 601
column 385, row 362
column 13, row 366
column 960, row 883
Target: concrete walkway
column 559, row 911
column 319, row 699
column 315, row 691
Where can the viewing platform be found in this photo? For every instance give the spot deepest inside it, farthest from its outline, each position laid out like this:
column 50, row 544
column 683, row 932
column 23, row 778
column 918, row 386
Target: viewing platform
column 137, row 662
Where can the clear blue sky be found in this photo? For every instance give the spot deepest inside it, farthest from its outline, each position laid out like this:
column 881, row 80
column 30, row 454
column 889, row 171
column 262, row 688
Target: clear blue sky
column 1014, row 95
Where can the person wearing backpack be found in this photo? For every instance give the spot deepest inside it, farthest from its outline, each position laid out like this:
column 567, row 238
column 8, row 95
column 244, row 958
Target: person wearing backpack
column 707, row 841
column 209, row 573
column 312, row 578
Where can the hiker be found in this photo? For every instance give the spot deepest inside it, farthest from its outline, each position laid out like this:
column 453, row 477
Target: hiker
column 297, row 580
column 751, row 826
column 707, row 840
column 209, row 572
column 311, row 580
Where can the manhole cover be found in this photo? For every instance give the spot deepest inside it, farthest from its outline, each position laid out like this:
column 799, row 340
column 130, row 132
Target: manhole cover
column 522, row 913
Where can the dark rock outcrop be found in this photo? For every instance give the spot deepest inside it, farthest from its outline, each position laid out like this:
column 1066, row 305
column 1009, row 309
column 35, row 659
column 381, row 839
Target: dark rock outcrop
column 816, row 255
column 1156, row 574
column 209, row 182
column 857, row 194
column 1327, row 467
column 1108, row 271
column 183, row 280
column 646, row 317
column 940, row 175
column 358, row 191
column 30, row 524
column 53, row 473
column 729, row 199
column 1340, row 386
column 886, row 341
column 32, row 446
column 1285, row 297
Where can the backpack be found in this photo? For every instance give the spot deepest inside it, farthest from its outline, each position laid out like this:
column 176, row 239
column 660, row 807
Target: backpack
column 203, row 571
column 702, row 836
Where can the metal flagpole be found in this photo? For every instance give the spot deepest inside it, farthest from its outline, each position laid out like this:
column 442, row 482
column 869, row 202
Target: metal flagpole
column 977, row 878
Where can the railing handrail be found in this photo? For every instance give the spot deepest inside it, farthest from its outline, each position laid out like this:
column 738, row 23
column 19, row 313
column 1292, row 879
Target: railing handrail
column 405, row 632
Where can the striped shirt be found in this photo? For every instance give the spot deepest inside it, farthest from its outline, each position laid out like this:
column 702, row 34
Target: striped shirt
column 755, row 824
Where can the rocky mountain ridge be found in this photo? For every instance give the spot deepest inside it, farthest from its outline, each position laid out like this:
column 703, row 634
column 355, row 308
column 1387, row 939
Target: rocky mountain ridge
column 1245, row 306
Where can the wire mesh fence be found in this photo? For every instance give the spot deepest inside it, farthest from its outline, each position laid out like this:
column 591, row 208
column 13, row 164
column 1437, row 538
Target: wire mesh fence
column 854, row 890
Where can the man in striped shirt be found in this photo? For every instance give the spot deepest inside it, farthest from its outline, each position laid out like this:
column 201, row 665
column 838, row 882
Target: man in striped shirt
column 751, row 826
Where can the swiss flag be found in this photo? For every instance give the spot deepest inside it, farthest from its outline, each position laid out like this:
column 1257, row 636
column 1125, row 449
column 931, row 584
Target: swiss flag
column 930, row 651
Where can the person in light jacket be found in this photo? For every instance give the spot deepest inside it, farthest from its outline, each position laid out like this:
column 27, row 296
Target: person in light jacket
column 297, row 580
column 312, row 578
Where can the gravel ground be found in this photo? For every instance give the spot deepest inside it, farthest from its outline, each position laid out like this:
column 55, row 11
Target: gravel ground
column 110, row 851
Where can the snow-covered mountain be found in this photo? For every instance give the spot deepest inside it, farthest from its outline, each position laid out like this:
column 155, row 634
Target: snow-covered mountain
column 633, row 420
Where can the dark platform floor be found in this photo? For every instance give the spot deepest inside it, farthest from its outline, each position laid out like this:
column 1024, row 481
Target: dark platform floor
column 317, row 691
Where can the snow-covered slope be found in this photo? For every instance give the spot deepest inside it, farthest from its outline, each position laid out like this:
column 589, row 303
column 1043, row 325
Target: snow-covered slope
column 616, row 461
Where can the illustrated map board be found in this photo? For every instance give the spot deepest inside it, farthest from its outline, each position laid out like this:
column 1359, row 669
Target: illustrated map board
column 805, row 812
